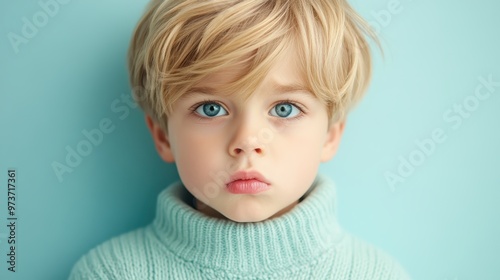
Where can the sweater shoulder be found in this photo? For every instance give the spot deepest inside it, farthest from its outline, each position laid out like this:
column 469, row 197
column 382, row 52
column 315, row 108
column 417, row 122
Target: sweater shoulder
column 121, row 257
column 370, row 262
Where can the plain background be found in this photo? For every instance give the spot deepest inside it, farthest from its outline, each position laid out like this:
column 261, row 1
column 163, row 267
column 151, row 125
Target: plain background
column 440, row 223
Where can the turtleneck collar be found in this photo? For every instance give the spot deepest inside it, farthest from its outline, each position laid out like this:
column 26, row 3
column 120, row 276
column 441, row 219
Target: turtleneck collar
column 296, row 238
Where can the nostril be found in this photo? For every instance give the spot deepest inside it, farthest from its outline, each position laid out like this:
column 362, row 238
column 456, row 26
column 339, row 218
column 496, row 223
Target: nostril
column 238, row 151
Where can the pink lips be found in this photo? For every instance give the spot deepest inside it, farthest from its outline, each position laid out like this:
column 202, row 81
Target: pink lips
column 244, row 182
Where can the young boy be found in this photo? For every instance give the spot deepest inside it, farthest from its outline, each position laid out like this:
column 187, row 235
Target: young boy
column 247, row 97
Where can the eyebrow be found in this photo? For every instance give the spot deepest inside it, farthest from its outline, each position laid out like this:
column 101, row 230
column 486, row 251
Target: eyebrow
column 198, row 90
column 293, row 88
column 203, row 90
column 276, row 88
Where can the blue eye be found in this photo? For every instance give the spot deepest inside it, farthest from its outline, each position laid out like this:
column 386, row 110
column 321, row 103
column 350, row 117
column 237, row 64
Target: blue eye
column 285, row 110
column 210, row 110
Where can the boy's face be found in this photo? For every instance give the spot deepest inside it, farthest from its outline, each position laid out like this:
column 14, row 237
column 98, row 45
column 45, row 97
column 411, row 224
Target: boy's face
column 280, row 132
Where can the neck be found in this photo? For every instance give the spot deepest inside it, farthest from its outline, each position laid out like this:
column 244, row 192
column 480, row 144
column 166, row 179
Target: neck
column 209, row 211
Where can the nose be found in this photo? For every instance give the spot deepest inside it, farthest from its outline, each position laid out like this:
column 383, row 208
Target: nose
column 246, row 139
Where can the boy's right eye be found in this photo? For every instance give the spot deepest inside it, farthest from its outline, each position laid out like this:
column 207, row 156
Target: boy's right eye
column 210, row 110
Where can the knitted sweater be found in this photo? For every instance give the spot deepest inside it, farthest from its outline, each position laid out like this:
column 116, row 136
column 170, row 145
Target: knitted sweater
column 182, row 243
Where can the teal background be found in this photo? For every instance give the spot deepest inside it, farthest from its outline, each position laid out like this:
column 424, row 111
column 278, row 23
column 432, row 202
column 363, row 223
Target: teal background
column 441, row 223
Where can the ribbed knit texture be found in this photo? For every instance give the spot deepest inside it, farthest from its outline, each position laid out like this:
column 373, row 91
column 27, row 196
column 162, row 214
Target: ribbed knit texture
column 182, row 243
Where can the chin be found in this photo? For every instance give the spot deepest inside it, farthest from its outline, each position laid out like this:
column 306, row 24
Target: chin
column 247, row 218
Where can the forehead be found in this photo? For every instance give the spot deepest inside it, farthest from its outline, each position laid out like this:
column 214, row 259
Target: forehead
column 227, row 75
column 283, row 74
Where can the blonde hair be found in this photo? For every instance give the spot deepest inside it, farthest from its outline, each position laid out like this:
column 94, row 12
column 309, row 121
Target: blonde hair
column 178, row 42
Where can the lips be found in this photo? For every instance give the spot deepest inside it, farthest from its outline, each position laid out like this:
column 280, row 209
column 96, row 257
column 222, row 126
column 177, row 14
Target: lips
column 248, row 175
column 247, row 182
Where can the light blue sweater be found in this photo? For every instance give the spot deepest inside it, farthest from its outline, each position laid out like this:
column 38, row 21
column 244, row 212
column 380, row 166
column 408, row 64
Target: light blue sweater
column 182, row 243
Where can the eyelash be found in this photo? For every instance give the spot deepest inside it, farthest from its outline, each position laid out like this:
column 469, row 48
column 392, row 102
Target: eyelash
column 193, row 109
column 294, row 103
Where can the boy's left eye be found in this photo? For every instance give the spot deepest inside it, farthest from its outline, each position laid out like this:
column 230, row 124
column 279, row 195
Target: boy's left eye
column 285, row 110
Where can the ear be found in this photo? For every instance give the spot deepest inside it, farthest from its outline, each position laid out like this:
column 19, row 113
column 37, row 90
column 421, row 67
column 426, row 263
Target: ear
column 160, row 139
column 332, row 142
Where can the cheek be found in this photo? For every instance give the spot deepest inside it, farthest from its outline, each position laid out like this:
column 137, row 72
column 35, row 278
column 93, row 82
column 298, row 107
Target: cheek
column 303, row 144
column 196, row 156
column 299, row 153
